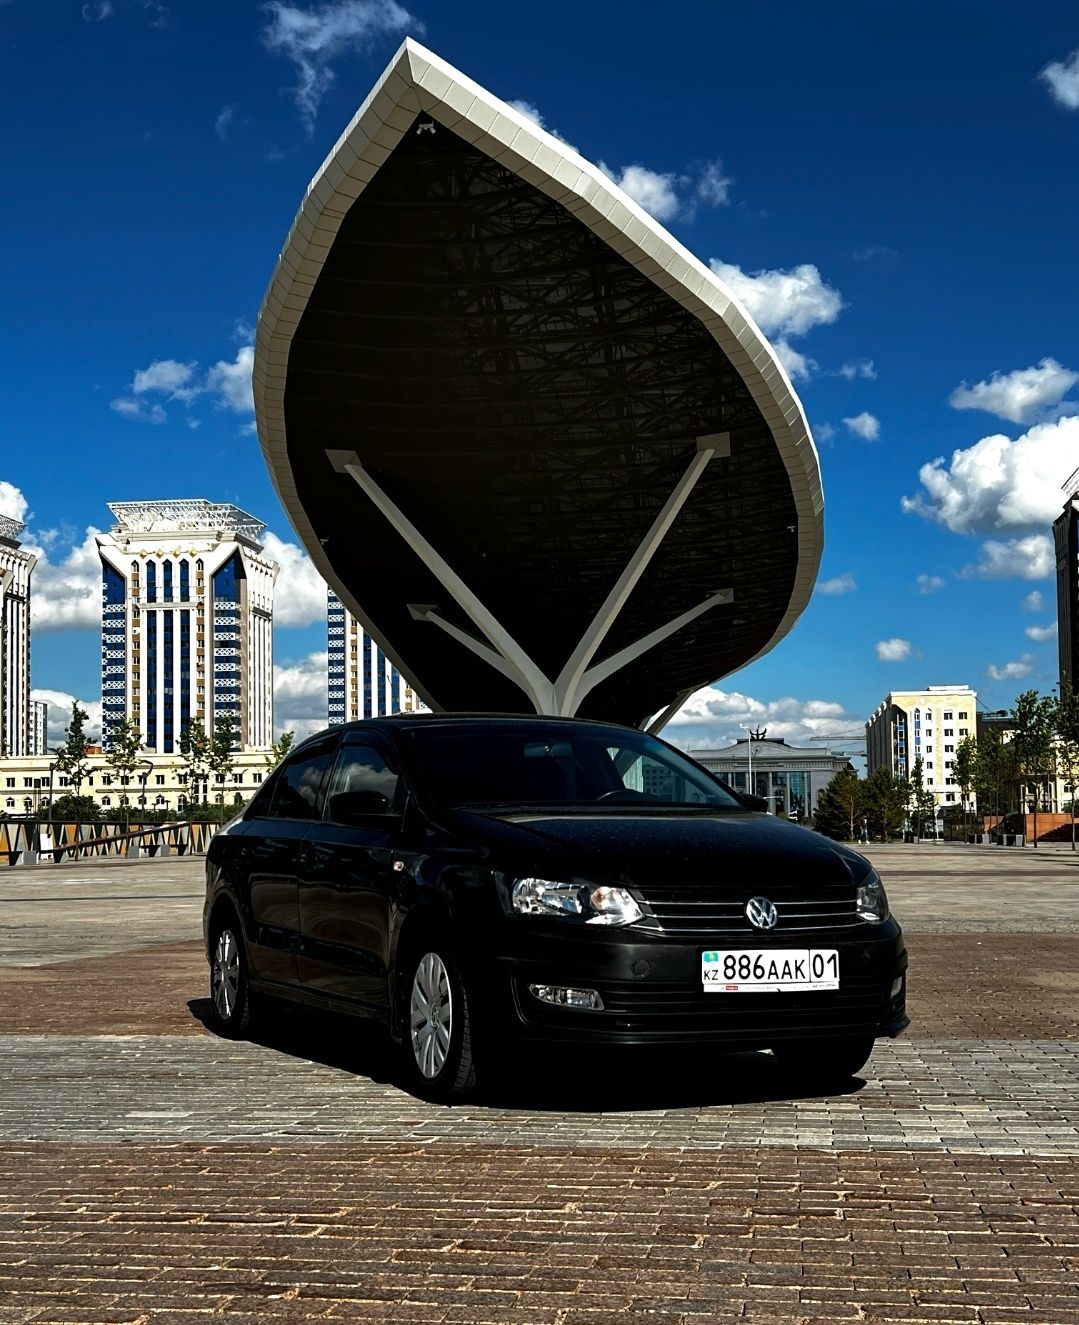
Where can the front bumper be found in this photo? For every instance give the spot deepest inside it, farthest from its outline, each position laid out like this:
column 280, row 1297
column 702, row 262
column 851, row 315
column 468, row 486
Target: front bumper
column 652, row 991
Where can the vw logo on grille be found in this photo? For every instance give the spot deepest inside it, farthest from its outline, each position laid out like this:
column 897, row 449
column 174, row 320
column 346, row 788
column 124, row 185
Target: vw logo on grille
column 761, row 913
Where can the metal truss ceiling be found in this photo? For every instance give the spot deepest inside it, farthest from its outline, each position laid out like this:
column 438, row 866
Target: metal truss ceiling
column 529, row 400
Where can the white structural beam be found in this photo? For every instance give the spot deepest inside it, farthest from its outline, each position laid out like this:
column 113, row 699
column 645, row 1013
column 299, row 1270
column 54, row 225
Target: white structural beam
column 481, row 650
column 656, row 724
column 501, row 651
column 525, row 672
column 618, row 660
column 569, row 680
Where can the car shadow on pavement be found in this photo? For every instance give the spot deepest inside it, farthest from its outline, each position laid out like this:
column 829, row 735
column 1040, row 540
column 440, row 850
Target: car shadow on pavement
column 556, row 1080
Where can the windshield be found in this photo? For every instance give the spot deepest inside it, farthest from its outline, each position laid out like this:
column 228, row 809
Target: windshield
column 528, row 764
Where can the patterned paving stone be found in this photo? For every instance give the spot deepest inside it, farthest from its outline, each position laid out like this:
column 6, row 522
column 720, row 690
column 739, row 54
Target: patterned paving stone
column 476, row 1234
column 1017, row 1097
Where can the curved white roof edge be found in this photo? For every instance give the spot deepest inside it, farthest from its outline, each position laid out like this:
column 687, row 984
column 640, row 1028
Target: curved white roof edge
column 416, row 82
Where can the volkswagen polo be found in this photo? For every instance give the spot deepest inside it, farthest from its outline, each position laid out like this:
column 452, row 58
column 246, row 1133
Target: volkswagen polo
column 481, row 882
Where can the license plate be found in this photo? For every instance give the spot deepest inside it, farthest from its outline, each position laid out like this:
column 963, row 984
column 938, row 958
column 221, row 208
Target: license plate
column 769, row 970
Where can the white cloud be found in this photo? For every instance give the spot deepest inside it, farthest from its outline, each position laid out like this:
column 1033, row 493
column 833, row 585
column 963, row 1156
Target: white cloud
column 227, row 383
column 97, row 11
column 838, row 584
column 714, row 185
column 871, row 251
column 858, row 368
column 1041, row 633
column 170, row 377
column 800, row 367
column 1012, row 671
column 656, row 191
column 999, row 483
column 892, row 650
column 66, row 595
column 300, row 596
column 60, row 702
column 12, row 502
column 1034, row 602
column 1028, row 558
column 666, row 195
column 711, row 718
column 313, row 39
column 1020, row 396
column 930, row 583
column 1062, row 78
column 864, row 425
column 787, row 303
column 224, row 119
column 824, row 432
column 300, row 695
column 231, row 382
column 138, row 410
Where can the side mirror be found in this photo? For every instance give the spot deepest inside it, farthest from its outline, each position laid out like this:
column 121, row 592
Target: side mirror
column 754, row 802
column 356, row 807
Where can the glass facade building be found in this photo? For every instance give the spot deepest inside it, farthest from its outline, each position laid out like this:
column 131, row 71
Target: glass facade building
column 186, row 622
column 361, row 682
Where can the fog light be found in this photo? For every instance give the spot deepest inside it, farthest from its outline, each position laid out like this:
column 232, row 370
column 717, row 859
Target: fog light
column 897, row 987
column 566, row 998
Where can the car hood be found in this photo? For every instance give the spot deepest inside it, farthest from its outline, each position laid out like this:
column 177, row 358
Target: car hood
column 727, row 849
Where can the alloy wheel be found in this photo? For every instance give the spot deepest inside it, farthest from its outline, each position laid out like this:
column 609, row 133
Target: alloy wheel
column 225, row 975
column 431, row 1015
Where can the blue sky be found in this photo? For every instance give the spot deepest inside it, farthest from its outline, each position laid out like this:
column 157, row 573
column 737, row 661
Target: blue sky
column 892, row 191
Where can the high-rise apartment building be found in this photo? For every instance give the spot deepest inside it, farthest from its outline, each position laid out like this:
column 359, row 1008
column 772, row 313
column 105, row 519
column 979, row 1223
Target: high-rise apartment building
column 186, row 621
column 1066, row 539
column 361, row 680
column 923, row 724
column 16, row 566
column 39, row 728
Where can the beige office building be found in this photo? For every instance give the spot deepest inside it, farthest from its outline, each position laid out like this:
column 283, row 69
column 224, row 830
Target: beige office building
column 926, row 724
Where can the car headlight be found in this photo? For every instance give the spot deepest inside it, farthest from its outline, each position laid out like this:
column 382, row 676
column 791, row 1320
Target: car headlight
column 586, row 903
column 872, row 901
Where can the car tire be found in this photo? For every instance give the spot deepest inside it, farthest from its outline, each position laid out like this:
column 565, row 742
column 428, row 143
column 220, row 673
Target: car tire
column 231, row 1009
column 439, row 1028
column 824, row 1060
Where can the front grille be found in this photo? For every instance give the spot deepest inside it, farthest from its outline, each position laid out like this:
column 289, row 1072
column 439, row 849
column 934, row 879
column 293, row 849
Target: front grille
column 684, row 910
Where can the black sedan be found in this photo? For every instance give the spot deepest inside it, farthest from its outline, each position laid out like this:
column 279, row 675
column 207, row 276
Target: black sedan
column 479, row 881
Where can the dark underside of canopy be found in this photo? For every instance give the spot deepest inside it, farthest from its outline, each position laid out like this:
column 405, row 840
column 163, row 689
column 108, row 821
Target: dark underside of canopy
column 529, row 400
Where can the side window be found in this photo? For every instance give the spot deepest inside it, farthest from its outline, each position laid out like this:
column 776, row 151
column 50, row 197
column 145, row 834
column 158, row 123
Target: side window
column 363, row 768
column 296, row 792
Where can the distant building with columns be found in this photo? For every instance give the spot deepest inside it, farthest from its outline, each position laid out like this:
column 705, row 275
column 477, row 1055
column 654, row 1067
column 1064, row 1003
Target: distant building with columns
column 186, row 621
column 790, row 777
column 16, row 567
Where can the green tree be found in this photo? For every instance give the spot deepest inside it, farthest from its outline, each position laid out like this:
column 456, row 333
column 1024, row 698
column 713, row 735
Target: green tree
column 885, row 802
column 72, row 758
column 965, row 770
column 280, row 749
column 195, row 750
column 223, row 746
column 839, row 806
column 1034, row 724
column 1067, row 725
column 921, row 805
column 123, row 746
column 66, row 808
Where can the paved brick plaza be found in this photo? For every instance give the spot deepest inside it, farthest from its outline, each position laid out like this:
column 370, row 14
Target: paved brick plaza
column 151, row 1172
